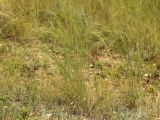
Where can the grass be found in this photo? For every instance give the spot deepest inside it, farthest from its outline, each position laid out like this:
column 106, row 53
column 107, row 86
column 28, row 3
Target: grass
column 84, row 59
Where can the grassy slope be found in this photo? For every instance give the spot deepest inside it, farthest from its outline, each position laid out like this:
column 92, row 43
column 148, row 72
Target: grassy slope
column 83, row 59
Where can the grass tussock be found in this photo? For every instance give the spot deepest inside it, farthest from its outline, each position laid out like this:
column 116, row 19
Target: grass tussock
column 83, row 59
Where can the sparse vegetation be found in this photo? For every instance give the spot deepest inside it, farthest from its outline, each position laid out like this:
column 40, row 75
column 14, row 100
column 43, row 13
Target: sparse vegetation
column 79, row 59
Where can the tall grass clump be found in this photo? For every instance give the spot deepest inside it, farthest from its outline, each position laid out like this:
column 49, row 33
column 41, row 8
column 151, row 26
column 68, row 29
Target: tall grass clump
column 134, row 28
column 78, row 93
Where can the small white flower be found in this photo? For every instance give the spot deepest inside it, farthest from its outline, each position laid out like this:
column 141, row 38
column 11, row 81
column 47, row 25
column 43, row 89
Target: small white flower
column 146, row 75
column 5, row 107
column 91, row 65
column 48, row 115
